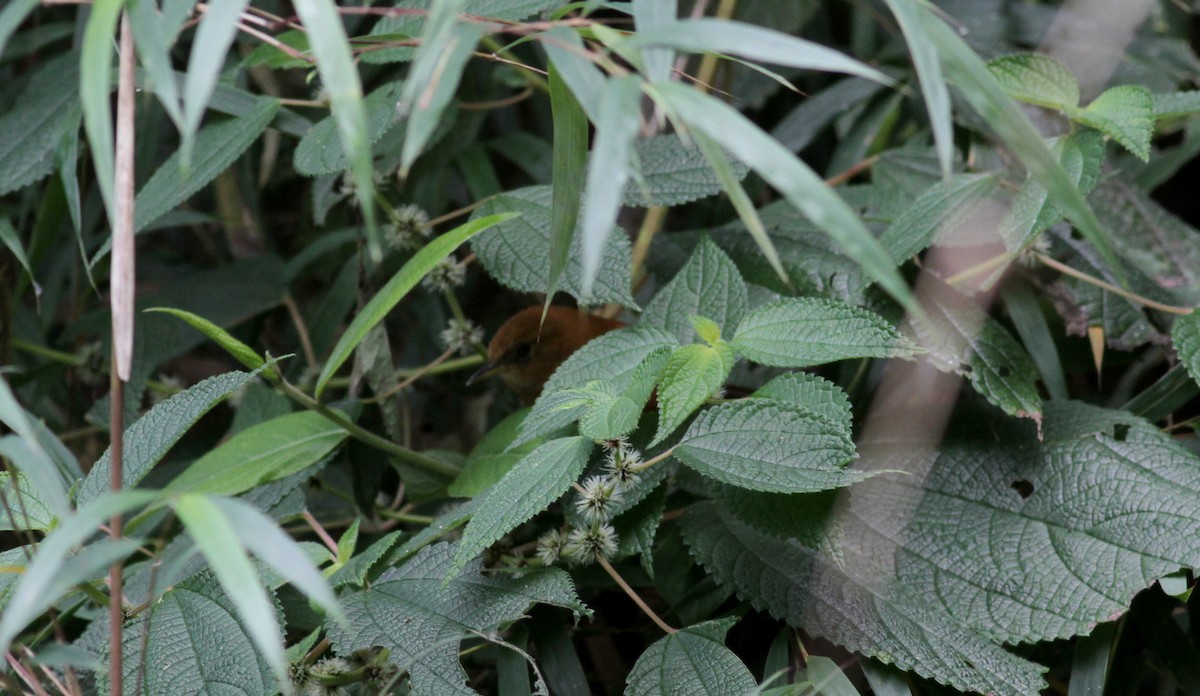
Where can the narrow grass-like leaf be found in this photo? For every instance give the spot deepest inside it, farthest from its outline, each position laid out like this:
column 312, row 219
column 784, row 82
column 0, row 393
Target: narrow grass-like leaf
column 527, row 489
column 1027, row 318
column 1176, row 104
column 154, row 50
column 650, row 14
column 217, row 538
column 566, row 51
column 768, row 445
column 692, row 375
column 933, row 85
column 8, row 235
column 399, row 286
column 753, row 43
column 11, row 18
column 240, row 351
column 806, row 331
column 37, row 590
column 967, row 71
column 339, row 77
column 213, row 38
column 149, row 438
column 446, row 45
column 263, row 537
column 794, row 179
column 569, row 170
column 260, row 454
column 36, row 463
column 608, row 169
column 95, row 80
column 693, row 660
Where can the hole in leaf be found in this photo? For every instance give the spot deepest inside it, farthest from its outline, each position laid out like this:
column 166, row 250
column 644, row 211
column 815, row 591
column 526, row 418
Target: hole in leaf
column 1023, row 488
column 1120, row 432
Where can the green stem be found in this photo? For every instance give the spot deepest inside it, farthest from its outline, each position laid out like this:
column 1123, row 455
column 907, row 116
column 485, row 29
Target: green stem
column 44, row 352
column 532, row 79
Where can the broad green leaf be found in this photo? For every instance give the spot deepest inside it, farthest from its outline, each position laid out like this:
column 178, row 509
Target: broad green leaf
column 1185, row 335
column 693, row 660
column 753, row 43
column 95, row 81
column 50, row 574
column 515, row 254
column 29, row 455
column 218, row 539
column 799, row 184
column 961, row 338
column 806, row 331
column 1176, row 104
column 42, row 114
column 339, row 77
column 215, row 34
column 399, row 286
column 276, row 59
column 149, row 438
column 240, row 351
column 260, row 454
column 263, row 537
column 811, row 393
column 691, row 376
column 933, row 84
column 1124, row 113
column 769, row 445
column 793, row 582
column 528, row 488
column 25, row 510
column 614, row 413
column 446, row 45
column 217, row 147
column 617, row 126
column 966, row 70
column 193, row 639
column 569, row 168
column 1036, row 79
column 320, row 151
column 421, row 611
column 356, row 569
column 949, row 204
column 709, row 285
column 492, row 458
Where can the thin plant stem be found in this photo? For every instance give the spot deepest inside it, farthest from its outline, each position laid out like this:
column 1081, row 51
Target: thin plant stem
column 321, row 533
column 417, row 374
column 301, row 329
column 612, row 573
column 1131, row 296
column 25, row 675
column 652, row 461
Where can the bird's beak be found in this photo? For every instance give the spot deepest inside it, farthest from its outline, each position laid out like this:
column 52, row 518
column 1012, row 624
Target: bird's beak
column 485, row 370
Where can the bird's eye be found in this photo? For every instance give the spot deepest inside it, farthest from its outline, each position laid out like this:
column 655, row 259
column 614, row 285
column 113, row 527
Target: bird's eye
column 522, row 352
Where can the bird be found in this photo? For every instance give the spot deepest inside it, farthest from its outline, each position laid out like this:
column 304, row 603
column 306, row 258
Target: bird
column 525, row 350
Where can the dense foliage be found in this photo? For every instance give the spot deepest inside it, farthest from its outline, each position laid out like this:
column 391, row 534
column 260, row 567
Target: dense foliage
column 904, row 403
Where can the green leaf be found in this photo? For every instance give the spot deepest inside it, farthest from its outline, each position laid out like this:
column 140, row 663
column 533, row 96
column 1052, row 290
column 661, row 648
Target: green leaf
column 8, row 235
column 693, row 660
column 11, row 17
column 961, row 338
column 402, row 26
column 769, row 445
column 617, row 125
column 811, row 393
column 492, row 458
column 708, row 285
column 826, row 678
column 240, row 351
column 29, row 454
column 422, row 610
column 1035, row 333
column 1125, row 114
column 648, row 15
column 149, row 438
column 446, row 45
column 1185, row 335
column 798, row 184
column 193, row 639
column 1036, row 79
column 320, row 151
column 752, row 43
column 153, row 49
column 218, row 539
column 1176, row 104
column 339, row 77
column 565, row 49
column 515, row 254
column 613, row 413
column 25, row 510
column 528, row 488
column 218, row 27
column 933, row 84
column 40, row 117
column 399, row 286
column 692, row 375
column 570, row 163
column 947, row 205
column 95, row 81
column 807, row 331
column 260, row 454
column 51, row 573
column 218, row 146
column 672, row 173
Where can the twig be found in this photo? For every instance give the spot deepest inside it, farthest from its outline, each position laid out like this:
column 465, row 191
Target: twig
column 612, row 573
column 417, row 374
column 25, row 675
column 497, row 103
column 321, row 533
column 301, row 329
column 652, row 461
column 268, row 39
column 1131, row 296
column 853, row 171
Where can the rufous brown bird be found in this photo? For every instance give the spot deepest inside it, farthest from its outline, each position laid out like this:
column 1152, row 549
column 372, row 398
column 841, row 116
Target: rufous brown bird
column 525, row 351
